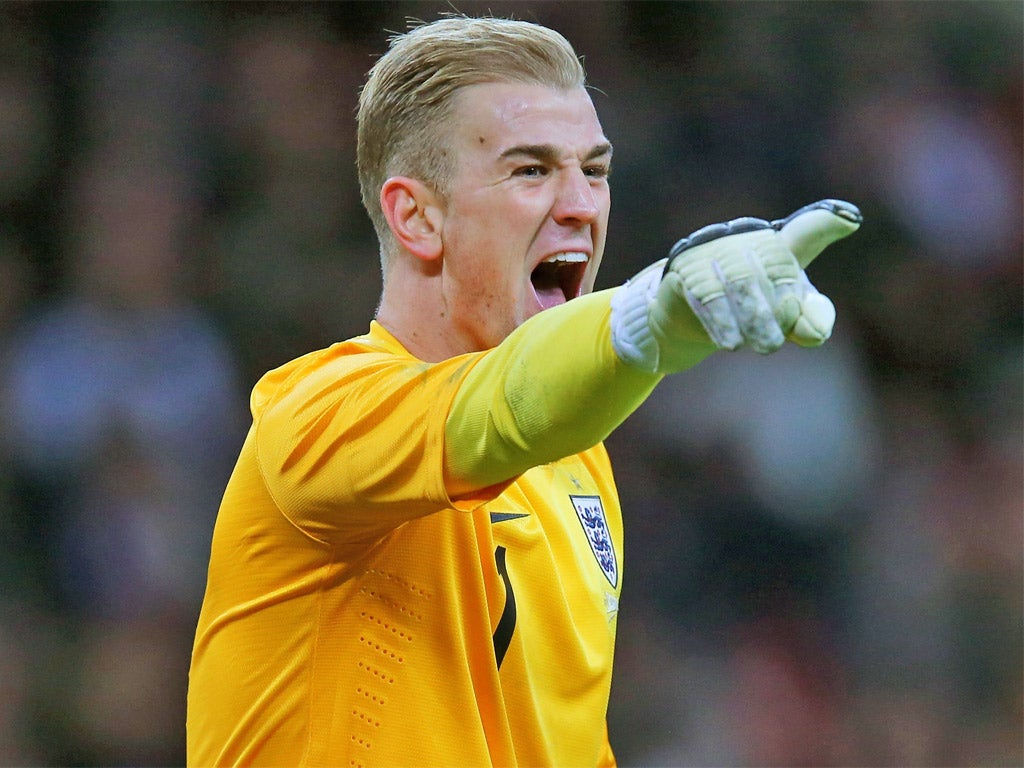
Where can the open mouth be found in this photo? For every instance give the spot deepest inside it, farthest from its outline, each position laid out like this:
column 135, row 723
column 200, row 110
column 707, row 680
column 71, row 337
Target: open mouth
column 559, row 278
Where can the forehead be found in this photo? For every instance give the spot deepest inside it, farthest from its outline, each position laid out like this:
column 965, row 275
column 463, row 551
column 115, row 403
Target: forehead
column 493, row 117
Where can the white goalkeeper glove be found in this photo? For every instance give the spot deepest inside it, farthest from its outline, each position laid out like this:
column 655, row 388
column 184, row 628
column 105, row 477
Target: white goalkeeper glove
column 743, row 280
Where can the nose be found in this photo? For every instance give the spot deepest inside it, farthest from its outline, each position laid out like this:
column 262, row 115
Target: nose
column 577, row 201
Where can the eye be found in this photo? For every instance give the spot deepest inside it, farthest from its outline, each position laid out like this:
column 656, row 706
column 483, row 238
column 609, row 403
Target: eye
column 531, row 171
column 598, row 171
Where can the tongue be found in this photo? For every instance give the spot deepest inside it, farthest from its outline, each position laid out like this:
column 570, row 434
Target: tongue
column 550, row 296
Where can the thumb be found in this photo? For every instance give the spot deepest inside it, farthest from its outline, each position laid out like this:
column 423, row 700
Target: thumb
column 808, row 231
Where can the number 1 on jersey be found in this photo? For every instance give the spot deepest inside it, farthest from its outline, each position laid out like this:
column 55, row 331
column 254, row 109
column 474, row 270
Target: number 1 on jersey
column 507, row 623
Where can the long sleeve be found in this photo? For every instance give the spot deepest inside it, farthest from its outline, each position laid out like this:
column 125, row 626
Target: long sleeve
column 554, row 387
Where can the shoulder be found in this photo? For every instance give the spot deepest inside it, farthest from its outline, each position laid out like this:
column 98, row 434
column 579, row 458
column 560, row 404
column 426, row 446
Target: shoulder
column 363, row 367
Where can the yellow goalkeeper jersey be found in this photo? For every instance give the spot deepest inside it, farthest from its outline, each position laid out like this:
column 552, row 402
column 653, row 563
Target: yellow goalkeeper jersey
column 355, row 615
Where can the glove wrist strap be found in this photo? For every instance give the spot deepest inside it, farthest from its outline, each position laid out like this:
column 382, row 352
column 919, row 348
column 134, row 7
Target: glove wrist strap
column 632, row 337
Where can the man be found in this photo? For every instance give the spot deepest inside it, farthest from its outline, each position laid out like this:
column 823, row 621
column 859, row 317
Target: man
column 418, row 558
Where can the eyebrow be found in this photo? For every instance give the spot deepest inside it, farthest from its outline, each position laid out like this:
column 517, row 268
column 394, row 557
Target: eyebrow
column 549, row 154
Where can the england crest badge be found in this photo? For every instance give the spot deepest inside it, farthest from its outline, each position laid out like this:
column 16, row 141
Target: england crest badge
column 590, row 512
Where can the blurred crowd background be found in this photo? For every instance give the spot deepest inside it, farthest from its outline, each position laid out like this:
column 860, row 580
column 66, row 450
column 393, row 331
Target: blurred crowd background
column 824, row 547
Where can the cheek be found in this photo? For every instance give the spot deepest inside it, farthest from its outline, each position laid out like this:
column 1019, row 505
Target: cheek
column 476, row 226
column 590, row 278
column 485, row 289
column 490, row 249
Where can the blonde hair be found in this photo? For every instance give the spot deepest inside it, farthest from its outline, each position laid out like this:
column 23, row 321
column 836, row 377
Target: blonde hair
column 406, row 103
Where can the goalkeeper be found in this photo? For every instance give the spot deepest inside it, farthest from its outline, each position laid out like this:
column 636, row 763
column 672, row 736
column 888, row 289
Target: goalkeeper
column 418, row 557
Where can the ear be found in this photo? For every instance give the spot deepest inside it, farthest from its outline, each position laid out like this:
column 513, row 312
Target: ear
column 415, row 215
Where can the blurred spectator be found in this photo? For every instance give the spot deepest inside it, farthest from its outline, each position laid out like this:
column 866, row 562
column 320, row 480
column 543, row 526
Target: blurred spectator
column 787, row 695
column 26, row 122
column 19, row 635
column 948, row 169
column 26, row 143
column 800, row 426
column 292, row 243
column 936, row 620
column 123, row 418
column 145, row 85
column 122, row 408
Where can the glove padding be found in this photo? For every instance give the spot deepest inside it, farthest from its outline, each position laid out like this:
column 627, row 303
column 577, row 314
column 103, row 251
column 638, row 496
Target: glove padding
column 743, row 280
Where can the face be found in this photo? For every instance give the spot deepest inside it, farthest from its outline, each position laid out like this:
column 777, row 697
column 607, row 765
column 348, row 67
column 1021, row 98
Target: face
column 527, row 210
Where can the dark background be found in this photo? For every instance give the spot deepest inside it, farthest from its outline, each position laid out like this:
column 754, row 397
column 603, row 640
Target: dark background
column 823, row 558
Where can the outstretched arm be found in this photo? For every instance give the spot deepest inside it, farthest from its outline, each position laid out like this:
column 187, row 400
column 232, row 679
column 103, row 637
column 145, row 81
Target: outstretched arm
column 567, row 377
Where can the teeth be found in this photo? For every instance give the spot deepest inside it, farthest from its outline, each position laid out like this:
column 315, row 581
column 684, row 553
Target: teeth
column 567, row 257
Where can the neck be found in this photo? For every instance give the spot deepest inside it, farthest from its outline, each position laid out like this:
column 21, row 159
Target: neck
column 412, row 309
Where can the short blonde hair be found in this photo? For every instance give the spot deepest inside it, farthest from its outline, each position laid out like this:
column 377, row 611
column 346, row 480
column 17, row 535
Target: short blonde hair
column 406, row 103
